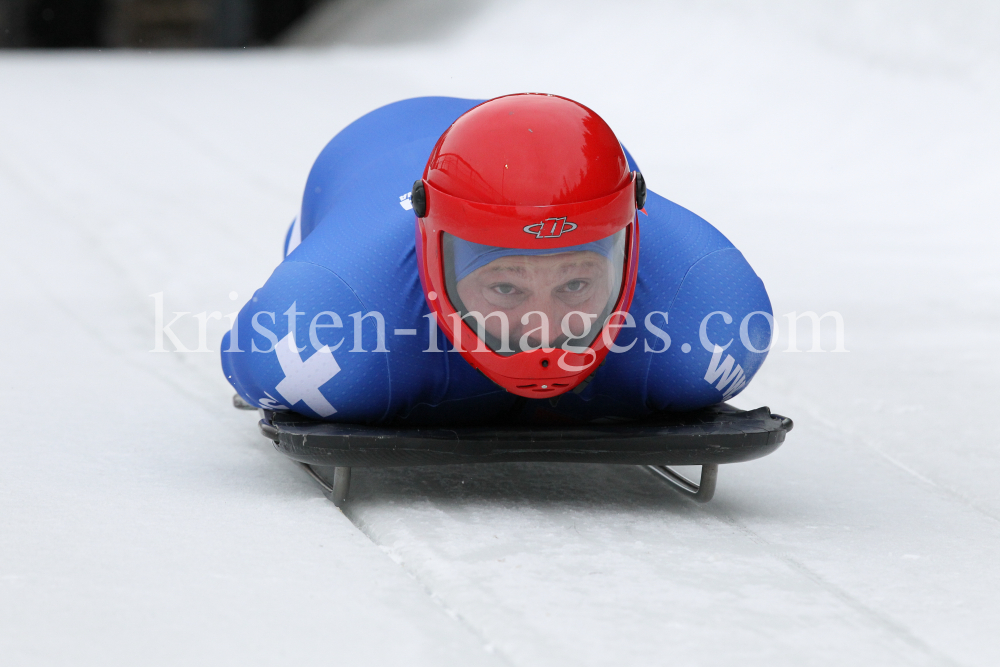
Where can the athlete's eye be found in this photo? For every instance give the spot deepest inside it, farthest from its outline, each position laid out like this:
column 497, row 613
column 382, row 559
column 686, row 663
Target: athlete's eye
column 575, row 285
column 504, row 288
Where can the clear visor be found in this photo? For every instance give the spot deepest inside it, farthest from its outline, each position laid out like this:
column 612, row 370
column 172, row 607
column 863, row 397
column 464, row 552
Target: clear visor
column 517, row 299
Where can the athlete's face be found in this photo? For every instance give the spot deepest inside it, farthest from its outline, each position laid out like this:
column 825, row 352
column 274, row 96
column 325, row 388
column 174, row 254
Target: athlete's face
column 551, row 284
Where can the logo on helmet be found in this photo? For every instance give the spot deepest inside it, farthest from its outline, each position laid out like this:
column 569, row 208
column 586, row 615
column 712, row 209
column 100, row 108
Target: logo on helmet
column 543, row 230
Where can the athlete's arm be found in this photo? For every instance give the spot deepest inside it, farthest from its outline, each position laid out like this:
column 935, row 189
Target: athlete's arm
column 294, row 347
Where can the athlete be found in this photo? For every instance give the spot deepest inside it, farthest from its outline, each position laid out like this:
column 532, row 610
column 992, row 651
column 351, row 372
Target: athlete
column 526, row 274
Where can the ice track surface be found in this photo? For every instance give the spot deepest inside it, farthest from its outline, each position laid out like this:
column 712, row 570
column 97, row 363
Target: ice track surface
column 850, row 150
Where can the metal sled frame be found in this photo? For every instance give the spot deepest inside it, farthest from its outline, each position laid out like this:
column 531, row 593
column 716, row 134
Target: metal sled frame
column 707, row 438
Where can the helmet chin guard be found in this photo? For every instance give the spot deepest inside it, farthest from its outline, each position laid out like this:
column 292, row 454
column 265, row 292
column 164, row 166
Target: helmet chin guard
column 528, row 240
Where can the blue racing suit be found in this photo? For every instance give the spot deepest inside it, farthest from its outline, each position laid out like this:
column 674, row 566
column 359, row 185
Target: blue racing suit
column 341, row 330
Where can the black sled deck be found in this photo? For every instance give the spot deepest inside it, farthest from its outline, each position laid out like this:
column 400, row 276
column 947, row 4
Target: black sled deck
column 707, row 437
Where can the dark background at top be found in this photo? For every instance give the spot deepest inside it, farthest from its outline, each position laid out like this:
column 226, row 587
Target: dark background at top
column 53, row 24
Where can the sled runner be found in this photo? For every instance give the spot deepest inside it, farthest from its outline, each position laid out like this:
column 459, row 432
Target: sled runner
column 707, row 437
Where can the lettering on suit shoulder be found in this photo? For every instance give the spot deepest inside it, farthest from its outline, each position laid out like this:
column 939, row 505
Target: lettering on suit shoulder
column 723, row 375
column 270, row 403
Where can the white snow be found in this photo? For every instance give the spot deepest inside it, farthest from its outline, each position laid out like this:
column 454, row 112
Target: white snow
column 850, row 149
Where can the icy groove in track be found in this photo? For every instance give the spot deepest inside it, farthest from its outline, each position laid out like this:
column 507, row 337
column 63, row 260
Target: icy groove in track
column 848, row 436
column 889, row 626
column 427, row 587
column 379, row 528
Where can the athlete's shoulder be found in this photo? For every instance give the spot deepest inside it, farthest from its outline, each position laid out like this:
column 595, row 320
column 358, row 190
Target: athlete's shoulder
column 672, row 239
column 402, row 133
column 402, row 121
column 679, row 227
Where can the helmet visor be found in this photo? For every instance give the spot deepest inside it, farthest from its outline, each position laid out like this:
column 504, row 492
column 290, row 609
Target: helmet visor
column 521, row 299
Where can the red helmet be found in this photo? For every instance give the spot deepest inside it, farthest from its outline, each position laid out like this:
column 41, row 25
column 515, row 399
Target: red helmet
column 528, row 240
